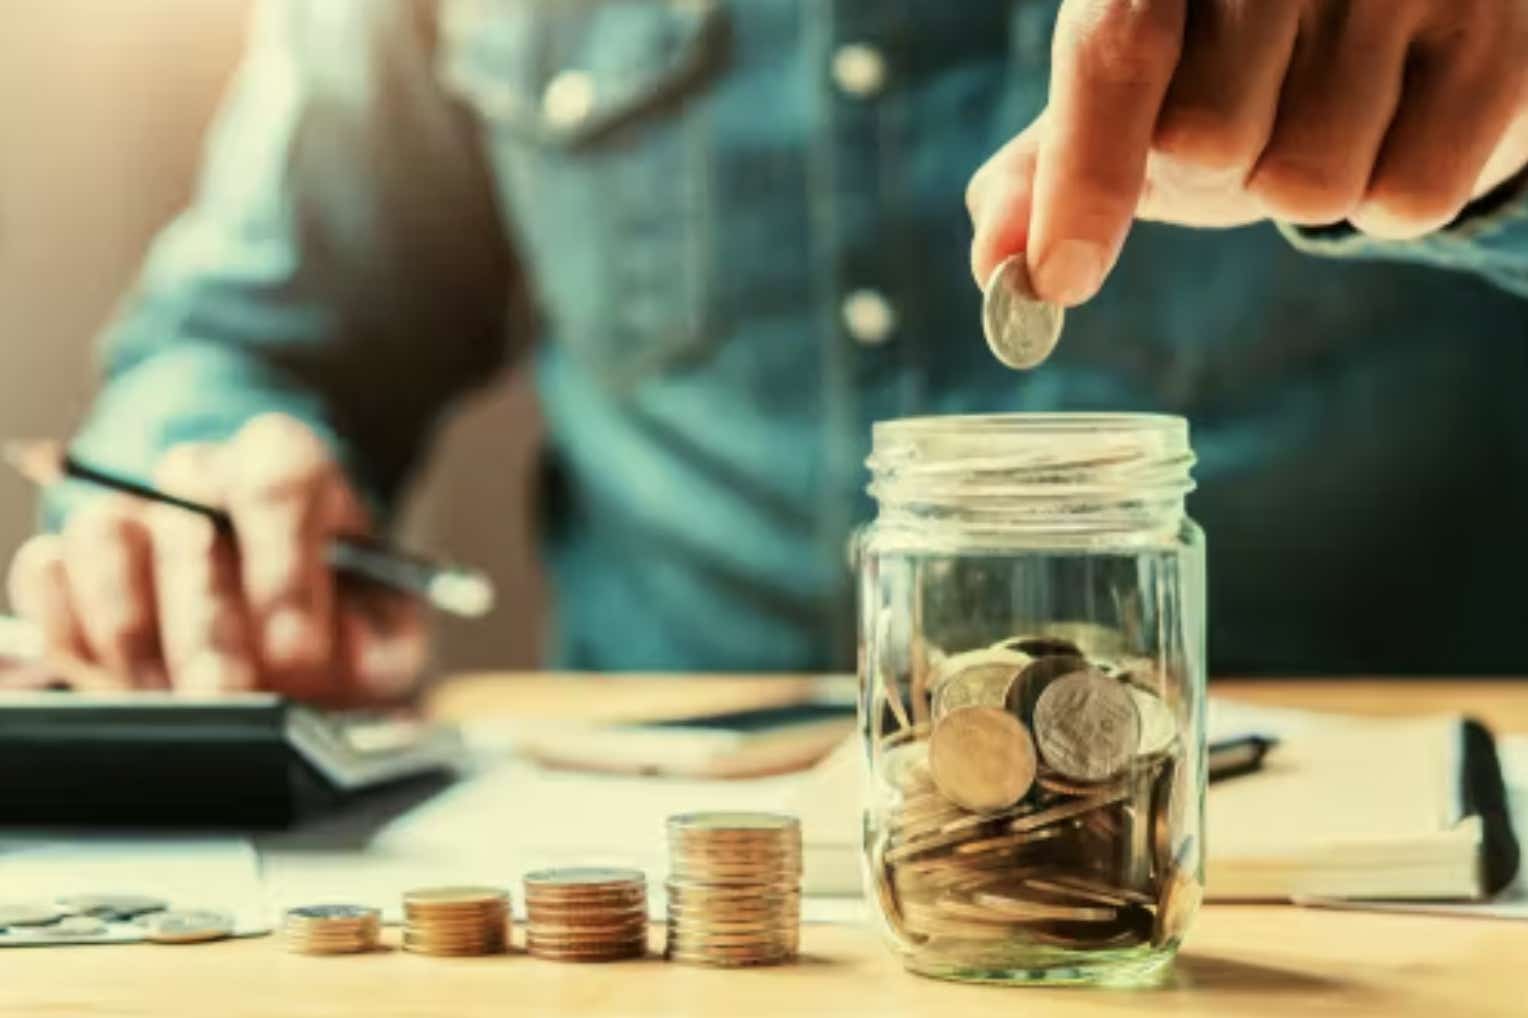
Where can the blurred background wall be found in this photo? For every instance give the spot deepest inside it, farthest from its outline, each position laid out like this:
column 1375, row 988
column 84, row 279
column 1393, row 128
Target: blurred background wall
column 103, row 104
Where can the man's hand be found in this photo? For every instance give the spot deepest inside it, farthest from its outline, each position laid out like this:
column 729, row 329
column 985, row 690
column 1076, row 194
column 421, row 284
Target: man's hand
column 1390, row 114
column 155, row 597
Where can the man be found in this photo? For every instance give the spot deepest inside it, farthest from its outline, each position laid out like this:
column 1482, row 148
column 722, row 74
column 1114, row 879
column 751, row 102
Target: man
column 736, row 231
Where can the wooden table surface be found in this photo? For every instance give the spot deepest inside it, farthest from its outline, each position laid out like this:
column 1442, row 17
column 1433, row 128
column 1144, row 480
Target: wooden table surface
column 1238, row 960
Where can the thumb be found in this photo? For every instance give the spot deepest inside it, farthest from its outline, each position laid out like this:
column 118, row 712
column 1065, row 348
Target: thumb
column 999, row 199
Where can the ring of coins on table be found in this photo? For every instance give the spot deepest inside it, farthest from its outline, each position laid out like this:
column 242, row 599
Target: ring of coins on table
column 1036, row 799
column 734, row 889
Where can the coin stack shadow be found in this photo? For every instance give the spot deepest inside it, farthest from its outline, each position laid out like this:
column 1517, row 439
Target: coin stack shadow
column 586, row 914
column 331, row 929
column 734, row 889
column 1045, row 805
column 456, row 921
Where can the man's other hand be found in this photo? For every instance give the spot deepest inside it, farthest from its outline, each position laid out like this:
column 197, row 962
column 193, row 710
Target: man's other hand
column 156, row 597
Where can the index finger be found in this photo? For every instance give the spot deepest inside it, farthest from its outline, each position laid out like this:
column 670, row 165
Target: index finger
column 1112, row 61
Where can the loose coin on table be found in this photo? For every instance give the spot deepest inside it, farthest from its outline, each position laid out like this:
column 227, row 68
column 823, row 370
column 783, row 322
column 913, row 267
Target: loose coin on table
column 189, row 926
column 112, row 906
column 331, row 929
column 1021, row 329
column 734, row 889
column 456, row 921
column 586, row 914
column 28, row 913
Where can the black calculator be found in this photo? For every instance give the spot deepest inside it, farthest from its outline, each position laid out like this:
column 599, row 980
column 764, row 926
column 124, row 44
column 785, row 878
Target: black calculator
column 248, row 761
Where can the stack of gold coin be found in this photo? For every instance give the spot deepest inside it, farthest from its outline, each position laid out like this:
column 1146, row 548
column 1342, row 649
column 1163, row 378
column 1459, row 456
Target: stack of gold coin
column 331, row 929
column 586, row 914
column 734, row 888
column 455, row 920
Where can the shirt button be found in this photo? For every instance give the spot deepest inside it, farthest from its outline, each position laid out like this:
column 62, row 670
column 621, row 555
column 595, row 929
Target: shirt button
column 860, row 70
column 568, row 99
column 869, row 317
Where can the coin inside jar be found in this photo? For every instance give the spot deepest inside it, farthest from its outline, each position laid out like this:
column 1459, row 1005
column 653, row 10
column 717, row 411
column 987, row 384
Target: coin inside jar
column 982, row 758
column 1181, row 896
column 1036, row 677
column 978, row 685
column 1158, row 726
column 1041, row 646
column 1087, row 726
column 1072, row 860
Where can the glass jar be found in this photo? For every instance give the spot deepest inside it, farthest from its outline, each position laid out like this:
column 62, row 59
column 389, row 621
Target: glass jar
column 1032, row 628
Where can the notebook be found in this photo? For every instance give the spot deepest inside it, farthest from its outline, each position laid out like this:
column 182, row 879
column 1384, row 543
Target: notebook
column 1350, row 807
column 1344, row 807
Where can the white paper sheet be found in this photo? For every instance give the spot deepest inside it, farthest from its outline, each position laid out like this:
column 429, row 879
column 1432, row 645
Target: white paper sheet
column 513, row 817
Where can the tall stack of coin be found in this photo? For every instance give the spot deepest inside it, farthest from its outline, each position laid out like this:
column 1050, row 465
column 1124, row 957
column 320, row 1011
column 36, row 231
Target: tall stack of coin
column 586, row 914
column 331, row 929
column 734, row 889
column 455, row 920
column 1042, row 803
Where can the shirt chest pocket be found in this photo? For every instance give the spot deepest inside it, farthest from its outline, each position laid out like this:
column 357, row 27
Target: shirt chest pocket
column 603, row 160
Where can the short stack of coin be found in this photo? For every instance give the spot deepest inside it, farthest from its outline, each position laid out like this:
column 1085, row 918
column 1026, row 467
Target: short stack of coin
column 734, row 889
column 456, row 920
column 586, row 914
column 331, row 929
column 1042, row 799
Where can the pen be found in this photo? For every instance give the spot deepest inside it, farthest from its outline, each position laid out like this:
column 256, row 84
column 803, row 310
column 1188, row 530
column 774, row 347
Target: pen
column 448, row 588
column 1232, row 757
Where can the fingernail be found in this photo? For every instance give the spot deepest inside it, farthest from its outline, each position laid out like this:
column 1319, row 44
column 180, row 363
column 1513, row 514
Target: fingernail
column 1071, row 273
column 211, row 672
column 291, row 639
column 1374, row 219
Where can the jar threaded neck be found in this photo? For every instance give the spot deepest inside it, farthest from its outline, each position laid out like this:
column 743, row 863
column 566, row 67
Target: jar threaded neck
column 1054, row 473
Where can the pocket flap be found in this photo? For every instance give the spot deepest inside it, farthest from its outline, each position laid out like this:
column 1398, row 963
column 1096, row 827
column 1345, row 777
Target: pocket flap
column 568, row 72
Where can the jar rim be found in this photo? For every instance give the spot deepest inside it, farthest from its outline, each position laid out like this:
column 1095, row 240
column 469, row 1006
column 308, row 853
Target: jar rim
column 1049, row 422
column 1032, row 472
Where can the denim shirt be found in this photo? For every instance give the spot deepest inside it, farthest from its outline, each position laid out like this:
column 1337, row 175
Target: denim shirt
column 727, row 259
